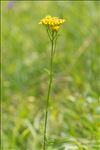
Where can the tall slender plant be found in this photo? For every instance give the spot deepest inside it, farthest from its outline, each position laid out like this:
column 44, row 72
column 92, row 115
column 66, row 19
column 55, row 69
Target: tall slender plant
column 52, row 25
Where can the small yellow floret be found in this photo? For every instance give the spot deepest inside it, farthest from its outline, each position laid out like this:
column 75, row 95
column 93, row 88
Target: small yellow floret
column 56, row 28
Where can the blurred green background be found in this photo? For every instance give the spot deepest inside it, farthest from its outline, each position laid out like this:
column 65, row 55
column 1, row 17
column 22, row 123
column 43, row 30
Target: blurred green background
column 74, row 112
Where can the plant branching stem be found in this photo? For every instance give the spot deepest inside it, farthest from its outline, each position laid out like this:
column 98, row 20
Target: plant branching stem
column 48, row 94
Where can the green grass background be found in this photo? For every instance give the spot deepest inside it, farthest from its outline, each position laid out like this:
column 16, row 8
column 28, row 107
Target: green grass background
column 74, row 112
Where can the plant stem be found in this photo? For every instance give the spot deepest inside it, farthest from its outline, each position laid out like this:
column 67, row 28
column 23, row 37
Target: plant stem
column 48, row 94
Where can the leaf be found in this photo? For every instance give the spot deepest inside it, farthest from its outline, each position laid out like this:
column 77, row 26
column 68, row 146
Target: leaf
column 47, row 71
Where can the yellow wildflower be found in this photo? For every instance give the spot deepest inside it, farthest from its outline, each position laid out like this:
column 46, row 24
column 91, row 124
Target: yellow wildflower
column 53, row 22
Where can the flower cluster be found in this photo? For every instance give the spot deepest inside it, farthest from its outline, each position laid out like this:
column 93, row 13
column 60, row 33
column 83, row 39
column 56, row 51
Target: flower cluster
column 53, row 22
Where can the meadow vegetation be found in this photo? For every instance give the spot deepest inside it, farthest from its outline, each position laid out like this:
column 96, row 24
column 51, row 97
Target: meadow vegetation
column 74, row 113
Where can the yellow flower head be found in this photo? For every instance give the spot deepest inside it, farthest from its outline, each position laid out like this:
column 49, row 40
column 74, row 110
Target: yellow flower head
column 53, row 22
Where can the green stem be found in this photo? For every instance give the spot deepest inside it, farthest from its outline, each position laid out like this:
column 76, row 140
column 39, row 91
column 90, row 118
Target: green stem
column 48, row 95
